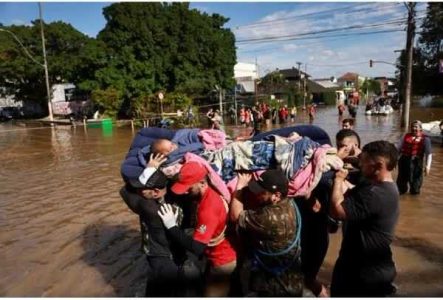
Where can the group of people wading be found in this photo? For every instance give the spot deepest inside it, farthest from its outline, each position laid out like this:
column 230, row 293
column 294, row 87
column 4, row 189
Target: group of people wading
column 256, row 240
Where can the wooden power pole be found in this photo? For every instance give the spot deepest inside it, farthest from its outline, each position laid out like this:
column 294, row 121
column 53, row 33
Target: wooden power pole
column 409, row 59
column 45, row 65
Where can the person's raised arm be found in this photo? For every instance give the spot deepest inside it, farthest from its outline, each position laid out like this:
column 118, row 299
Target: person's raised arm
column 236, row 206
column 154, row 163
column 336, row 209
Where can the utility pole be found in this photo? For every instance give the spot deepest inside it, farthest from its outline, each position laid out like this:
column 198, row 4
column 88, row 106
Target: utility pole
column 304, row 85
column 45, row 64
column 235, row 101
column 255, row 81
column 299, row 78
column 409, row 59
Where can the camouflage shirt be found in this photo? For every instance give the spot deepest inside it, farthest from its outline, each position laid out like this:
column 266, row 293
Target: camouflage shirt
column 271, row 229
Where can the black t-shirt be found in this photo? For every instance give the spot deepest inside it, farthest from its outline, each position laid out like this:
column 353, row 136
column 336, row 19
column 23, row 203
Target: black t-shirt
column 372, row 212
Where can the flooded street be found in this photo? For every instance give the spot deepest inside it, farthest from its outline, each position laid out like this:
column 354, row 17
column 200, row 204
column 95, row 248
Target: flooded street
column 66, row 231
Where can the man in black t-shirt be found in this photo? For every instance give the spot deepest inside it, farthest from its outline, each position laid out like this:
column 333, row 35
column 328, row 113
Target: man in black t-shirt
column 370, row 210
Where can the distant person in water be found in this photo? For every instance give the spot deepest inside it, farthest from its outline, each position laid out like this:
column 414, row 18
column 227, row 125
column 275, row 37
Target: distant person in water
column 415, row 152
column 347, row 124
column 312, row 111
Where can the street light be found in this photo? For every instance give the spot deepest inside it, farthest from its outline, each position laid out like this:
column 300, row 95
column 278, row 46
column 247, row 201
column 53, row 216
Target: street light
column 44, row 65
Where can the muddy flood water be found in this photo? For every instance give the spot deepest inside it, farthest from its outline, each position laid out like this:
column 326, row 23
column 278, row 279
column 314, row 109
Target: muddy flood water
column 66, row 232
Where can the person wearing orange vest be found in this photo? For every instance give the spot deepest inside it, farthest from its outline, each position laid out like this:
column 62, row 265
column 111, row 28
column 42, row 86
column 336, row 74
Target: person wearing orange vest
column 415, row 151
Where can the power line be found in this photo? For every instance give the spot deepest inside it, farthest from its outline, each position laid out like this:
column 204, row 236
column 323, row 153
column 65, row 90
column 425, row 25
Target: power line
column 23, row 47
column 340, row 65
column 303, row 16
column 293, row 36
column 392, row 22
column 290, row 18
column 335, row 37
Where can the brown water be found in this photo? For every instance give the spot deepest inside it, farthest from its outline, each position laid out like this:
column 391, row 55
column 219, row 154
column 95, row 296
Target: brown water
column 66, row 232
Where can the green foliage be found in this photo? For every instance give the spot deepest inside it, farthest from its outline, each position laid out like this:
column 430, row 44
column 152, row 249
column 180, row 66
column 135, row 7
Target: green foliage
column 272, row 102
column 144, row 106
column 274, row 77
column 298, row 99
column 371, row 86
column 145, row 47
column 329, row 98
column 437, row 102
column 426, row 77
column 109, row 101
column 174, row 101
column 166, row 46
column 67, row 57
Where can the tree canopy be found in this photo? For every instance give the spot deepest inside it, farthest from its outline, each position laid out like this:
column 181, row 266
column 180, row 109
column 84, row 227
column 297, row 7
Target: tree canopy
column 144, row 48
column 23, row 76
column 165, row 46
column 430, row 51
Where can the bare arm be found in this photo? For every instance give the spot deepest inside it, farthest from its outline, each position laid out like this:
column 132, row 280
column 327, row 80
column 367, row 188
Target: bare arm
column 155, row 161
column 236, row 207
column 336, row 209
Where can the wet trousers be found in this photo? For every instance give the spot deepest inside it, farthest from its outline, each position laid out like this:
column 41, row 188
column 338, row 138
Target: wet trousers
column 351, row 280
column 265, row 284
column 218, row 280
column 410, row 172
column 167, row 279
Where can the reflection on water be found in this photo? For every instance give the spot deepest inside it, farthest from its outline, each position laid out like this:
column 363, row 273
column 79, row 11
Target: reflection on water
column 66, row 232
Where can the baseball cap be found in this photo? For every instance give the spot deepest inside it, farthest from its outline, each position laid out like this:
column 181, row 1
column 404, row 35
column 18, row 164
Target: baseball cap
column 190, row 173
column 271, row 181
column 158, row 180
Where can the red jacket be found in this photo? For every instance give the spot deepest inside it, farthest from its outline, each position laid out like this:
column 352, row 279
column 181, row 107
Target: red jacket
column 413, row 145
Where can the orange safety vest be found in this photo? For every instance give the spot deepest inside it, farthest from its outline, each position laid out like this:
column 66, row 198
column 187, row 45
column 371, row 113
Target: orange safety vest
column 413, row 145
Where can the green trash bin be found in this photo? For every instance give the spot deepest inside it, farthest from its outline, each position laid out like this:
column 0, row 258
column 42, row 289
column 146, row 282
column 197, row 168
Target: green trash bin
column 107, row 127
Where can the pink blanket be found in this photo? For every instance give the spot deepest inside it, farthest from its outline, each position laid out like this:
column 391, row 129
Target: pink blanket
column 306, row 179
column 212, row 139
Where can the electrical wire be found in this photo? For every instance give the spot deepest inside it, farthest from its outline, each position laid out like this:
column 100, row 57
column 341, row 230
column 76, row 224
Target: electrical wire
column 375, row 25
column 326, row 31
column 321, row 39
column 302, row 16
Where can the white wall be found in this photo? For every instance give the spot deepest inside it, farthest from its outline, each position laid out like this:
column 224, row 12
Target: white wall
column 242, row 70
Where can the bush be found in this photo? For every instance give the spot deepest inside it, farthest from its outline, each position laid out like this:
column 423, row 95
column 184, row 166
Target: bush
column 329, row 98
column 437, row 102
column 144, row 106
column 108, row 101
column 174, row 101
